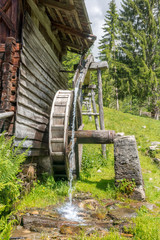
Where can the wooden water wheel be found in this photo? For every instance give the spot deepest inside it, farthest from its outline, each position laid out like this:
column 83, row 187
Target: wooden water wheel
column 59, row 143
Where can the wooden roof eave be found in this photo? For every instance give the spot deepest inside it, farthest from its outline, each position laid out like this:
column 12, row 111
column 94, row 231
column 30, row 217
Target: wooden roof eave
column 82, row 34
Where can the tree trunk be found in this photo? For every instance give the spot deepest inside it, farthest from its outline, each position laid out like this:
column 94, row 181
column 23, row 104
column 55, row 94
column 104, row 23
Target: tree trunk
column 117, row 101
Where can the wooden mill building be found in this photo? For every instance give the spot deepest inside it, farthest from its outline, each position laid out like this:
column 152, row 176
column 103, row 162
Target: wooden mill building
column 34, row 36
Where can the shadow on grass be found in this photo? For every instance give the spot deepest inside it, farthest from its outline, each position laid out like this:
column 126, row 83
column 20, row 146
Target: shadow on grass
column 103, row 184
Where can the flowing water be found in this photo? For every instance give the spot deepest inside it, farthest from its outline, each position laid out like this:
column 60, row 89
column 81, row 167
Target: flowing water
column 69, row 210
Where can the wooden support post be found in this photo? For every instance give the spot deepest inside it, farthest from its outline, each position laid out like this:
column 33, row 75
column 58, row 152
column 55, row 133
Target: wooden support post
column 101, row 113
column 95, row 110
column 89, row 107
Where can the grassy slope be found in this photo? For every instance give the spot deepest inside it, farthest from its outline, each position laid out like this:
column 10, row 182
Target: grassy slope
column 102, row 184
column 97, row 176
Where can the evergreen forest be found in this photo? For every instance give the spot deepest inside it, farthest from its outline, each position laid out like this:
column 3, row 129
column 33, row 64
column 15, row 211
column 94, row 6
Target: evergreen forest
column 131, row 46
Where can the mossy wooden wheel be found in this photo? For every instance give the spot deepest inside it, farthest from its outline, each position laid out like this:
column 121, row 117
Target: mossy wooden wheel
column 59, row 144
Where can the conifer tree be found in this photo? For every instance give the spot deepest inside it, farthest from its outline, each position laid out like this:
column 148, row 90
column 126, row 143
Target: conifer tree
column 108, row 50
column 140, row 55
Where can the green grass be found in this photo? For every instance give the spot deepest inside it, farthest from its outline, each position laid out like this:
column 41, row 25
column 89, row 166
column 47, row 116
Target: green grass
column 97, row 175
column 146, row 130
column 45, row 193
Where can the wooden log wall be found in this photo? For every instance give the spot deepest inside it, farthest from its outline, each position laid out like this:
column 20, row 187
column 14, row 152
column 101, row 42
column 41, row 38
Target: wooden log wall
column 39, row 80
column 10, row 15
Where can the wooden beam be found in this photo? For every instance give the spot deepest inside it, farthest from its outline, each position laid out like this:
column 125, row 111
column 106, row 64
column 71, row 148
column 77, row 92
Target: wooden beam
column 94, row 108
column 44, row 20
column 94, row 136
column 98, row 65
column 73, row 45
column 6, row 115
column 90, row 114
column 57, row 5
column 101, row 113
column 72, row 31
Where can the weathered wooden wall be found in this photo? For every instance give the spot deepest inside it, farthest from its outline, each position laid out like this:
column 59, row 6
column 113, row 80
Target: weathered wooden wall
column 39, row 80
column 10, row 15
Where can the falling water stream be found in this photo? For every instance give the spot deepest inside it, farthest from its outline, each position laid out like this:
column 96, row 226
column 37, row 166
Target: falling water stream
column 69, row 211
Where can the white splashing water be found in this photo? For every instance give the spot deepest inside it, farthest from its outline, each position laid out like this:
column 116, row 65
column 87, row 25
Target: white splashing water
column 69, row 211
column 71, row 158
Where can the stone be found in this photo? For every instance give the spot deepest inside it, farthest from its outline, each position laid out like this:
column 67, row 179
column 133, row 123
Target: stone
column 156, row 160
column 158, row 188
column 149, row 206
column 122, row 213
column 100, row 216
column 66, row 229
column 127, row 235
column 138, row 194
column 120, row 134
column 127, row 164
column 154, row 146
column 155, row 143
column 35, row 212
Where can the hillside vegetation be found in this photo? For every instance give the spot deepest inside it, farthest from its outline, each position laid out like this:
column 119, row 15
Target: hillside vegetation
column 146, row 131
column 97, row 177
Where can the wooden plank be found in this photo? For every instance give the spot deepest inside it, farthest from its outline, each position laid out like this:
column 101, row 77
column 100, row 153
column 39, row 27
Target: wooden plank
column 39, row 83
column 95, row 109
column 41, row 39
column 37, row 152
column 44, row 20
column 31, row 144
column 98, row 65
column 34, row 89
column 42, row 104
column 22, row 131
column 100, row 102
column 23, row 111
column 33, row 123
column 90, row 114
column 57, row 5
column 38, row 73
column 49, row 78
column 30, row 41
column 28, row 103
column 40, row 46
column 6, row 115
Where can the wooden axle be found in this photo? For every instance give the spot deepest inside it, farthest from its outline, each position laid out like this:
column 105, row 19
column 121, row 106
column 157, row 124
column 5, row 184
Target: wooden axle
column 94, row 136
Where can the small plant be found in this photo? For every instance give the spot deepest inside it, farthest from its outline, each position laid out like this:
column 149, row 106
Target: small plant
column 126, row 186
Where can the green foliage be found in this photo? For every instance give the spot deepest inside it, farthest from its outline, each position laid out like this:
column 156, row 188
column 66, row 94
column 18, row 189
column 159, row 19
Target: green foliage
column 10, row 161
column 112, row 235
column 45, row 192
column 6, row 227
column 147, row 227
column 92, row 160
column 68, row 62
column 126, row 186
